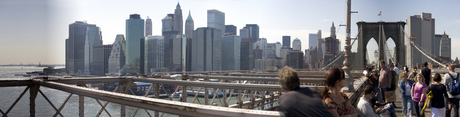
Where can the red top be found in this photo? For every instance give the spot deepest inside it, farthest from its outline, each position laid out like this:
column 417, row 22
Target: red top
column 342, row 108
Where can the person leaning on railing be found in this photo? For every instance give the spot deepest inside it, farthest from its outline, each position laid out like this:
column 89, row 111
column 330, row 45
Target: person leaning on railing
column 337, row 102
column 297, row 101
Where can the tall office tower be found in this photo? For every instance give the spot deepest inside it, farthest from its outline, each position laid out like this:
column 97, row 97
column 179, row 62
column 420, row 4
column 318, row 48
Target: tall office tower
column 246, row 56
column 296, row 44
column 154, row 54
column 148, row 27
column 207, row 49
column 231, row 52
column 75, row 47
column 271, row 51
column 295, row 59
column 258, row 53
column 189, row 26
column 177, row 48
column 332, row 49
column 265, row 64
column 244, row 33
column 254, row 31
column 320, row 47
column 262, row 44
column 230, row 30
column 445, row 47
column 134, row 34
column 333, row 31
column 287, row 41
column 178, row 20
column 168, row 33
column 283, row 52
column 422, row 27
column 93, row 38
column 312, row 40
column 216, row 19
column 117, row 56
column 278, row 48
column 437, row 45
column 101, row 59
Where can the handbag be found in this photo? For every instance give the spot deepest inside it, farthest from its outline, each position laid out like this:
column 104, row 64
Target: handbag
column 390, row 96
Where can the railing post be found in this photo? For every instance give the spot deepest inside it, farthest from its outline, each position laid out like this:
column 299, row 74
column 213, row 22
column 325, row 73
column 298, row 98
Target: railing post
column 184, row 91
column 272, row 98
column 252, row 99
column 157, row 95
column 263, row 100
column 206, row 94
column 240, row 102
column 81, row 104
column 33, row 94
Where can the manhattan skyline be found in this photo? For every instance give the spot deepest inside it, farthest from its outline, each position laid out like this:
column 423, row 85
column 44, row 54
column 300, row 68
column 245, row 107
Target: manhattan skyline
column 36, row 30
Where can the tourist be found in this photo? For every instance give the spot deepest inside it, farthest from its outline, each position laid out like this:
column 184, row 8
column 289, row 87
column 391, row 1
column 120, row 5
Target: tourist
column 439, row 93
column 418, row 92
column 364, row 105
column 453, row 99
column 406, row 68
column 372, row 78
column 295, row 99
column 384, row 79
column 405, row 87
column 337, row 102
column 426, row 72
column 396, row 69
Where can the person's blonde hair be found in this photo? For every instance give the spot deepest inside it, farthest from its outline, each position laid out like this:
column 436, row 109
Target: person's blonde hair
column 404, row 74
column 416, row 79
column 288, row 78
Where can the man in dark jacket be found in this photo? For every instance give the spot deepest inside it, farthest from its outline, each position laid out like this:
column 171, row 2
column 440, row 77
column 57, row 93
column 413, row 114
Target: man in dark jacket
column 426, row 72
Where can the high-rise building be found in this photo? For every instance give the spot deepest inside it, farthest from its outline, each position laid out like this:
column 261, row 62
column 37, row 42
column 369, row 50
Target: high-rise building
column 333, row 31
column 93, row 38
column 253, row 31
column 177, row 52
column 445, row 46
column 265, row 64
column 154, row 54
column 245, row 33
column 230, row 30
column 320, row 47
column 168, row 33
column 206, row 49
column 295, row 59
column 422, row 27
column 283, row 52
column 216, row 19
column 134, row 34
column 287, row 41
column 178, row 24
column 278, row 48
column 231, row 52
column 271, row 51
column 312, row 40
column 258, row 52
column 189, row 26
column 167, row 23
column 101, row 59
column 148, row 27
column 117, row 56
column 262, row 44
column 75, row 47
column 296, row 44
column 246, row 55
column 437, row 41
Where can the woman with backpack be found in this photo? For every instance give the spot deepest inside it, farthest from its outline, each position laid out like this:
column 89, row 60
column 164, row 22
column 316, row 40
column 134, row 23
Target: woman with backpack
column 439, row 92
column 418, row 93
column 405, row 87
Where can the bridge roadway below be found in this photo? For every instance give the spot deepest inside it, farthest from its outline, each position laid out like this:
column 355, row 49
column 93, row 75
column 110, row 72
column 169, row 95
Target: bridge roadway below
column 70, row 85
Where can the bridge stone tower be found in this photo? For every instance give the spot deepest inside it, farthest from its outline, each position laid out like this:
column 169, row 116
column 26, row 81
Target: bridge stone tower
column 378, row 30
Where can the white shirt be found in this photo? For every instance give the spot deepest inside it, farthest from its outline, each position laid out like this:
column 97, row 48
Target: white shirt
column 408, row 89
column 446, row 81
column 365, row 107
column 396, row 69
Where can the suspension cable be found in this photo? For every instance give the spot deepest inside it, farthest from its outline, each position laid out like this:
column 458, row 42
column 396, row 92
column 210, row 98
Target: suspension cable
column 416, row 46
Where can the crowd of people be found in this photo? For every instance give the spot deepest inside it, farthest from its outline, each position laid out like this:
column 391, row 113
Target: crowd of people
column 417, row 88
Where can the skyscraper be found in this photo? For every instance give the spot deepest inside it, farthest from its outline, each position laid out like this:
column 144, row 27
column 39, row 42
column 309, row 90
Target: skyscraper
column 216, row 19
column 437, row 41
column 278, row 48
column 244, row 33
column 422, row 27
column 206, row 49
column 231, row 52
column 253, row 31
column 154, row 54
column 287, row 41
column 177, row 52
column 246, row 55
column 101, row 59
column 167, row 23
column 75, row 47
column 312, row 40
column 295, row 59
column 333, row 31
column 117, row 56
column 230, row 30
column 134, row 33
column 178, row 24
column 93, row 38
column 296, row 44
column 148, row 27
column 271, row 51
column 189, row 26
column 320, row 47
column 445, row 47
column 262, row 44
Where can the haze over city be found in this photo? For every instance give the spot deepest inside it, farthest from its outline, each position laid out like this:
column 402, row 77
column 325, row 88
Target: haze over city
column 35, row 31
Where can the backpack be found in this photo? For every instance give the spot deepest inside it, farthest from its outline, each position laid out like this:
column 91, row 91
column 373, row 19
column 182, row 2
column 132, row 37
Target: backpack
column 454, row 86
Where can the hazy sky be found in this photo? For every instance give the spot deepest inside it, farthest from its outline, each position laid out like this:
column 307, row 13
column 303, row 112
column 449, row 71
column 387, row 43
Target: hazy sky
column 33, row 31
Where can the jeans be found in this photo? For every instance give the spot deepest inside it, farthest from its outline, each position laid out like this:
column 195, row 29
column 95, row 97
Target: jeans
column 392, row 111
column 407, row 105
column 454, row 104
column 419, row 108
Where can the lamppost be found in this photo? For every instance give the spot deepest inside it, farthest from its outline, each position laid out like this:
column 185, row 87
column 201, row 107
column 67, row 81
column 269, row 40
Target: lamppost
column 347, row 63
